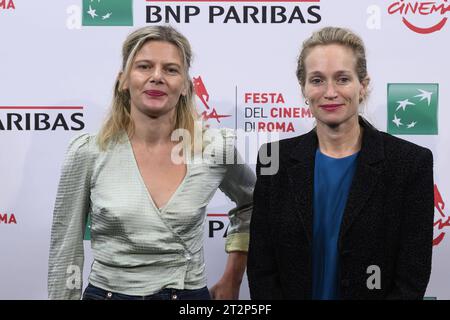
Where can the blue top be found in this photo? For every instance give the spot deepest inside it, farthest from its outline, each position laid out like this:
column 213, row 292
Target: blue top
column 332, row 181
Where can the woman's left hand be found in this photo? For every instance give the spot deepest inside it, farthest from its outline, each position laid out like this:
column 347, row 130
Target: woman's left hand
column 225, row 290
column 229, row 285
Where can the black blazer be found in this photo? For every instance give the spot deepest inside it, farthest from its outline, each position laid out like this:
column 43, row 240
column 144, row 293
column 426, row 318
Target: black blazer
column 387, row 222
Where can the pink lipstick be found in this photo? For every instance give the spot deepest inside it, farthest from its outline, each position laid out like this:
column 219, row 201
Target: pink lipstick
column 155, row 93
column 331, row 107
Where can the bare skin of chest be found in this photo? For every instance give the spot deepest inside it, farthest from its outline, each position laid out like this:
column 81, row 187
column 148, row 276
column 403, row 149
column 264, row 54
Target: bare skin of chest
column 161, row 176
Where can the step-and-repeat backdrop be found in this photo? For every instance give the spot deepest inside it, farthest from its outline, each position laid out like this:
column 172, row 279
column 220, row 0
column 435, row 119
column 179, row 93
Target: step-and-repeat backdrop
column 59, row 60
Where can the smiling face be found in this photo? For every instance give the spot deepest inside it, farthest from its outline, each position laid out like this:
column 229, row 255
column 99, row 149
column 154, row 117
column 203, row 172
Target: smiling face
column 156, row 79
column 332, row 85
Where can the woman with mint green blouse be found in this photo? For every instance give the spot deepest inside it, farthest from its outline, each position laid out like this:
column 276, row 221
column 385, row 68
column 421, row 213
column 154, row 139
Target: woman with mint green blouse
column 146, row 190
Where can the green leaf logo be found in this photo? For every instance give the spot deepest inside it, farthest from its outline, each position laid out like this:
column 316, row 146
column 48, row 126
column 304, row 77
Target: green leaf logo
column 107, row 13
column 413, row 108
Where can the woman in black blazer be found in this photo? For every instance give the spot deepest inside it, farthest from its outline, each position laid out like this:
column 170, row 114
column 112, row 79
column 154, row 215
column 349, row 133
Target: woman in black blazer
column 349, row 214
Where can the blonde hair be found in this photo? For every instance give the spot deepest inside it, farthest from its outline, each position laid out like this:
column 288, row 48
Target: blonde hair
column 333, row 35
column 119, row 118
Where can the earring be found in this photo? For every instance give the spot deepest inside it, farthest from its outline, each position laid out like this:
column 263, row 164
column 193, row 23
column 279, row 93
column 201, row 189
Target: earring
column 307, row 102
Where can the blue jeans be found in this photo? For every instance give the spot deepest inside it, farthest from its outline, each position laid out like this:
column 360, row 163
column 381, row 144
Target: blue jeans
column 94, row 293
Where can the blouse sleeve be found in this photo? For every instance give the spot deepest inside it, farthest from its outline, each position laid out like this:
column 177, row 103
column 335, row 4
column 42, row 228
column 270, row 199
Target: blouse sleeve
column 66, row 258
column 238, row 184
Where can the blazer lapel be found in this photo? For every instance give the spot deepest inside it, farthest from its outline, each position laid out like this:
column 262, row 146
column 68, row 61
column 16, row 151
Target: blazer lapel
column 366, row 176
column 301, row 180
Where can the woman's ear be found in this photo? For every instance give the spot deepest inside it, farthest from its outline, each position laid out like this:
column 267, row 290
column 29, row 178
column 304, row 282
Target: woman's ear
column 364, row 88
column 302, row 90
column 186, row 85
column 122, row 81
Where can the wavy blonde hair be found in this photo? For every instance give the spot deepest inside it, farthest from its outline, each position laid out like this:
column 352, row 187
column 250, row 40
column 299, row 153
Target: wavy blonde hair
column 119, row 118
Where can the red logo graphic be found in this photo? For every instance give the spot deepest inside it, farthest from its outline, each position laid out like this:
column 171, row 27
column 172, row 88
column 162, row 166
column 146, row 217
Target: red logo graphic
column 444, row 221
column 421, row 8
column 7, row 4
column 7, row 218
column 203, row 95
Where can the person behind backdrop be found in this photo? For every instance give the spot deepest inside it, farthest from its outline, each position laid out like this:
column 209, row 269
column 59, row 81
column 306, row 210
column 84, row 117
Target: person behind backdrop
column 148, row 210
column 349, row 214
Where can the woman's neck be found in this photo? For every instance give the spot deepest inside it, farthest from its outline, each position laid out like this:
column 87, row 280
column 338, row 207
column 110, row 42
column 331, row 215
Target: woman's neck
column 153, row 131
column 340, row 141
